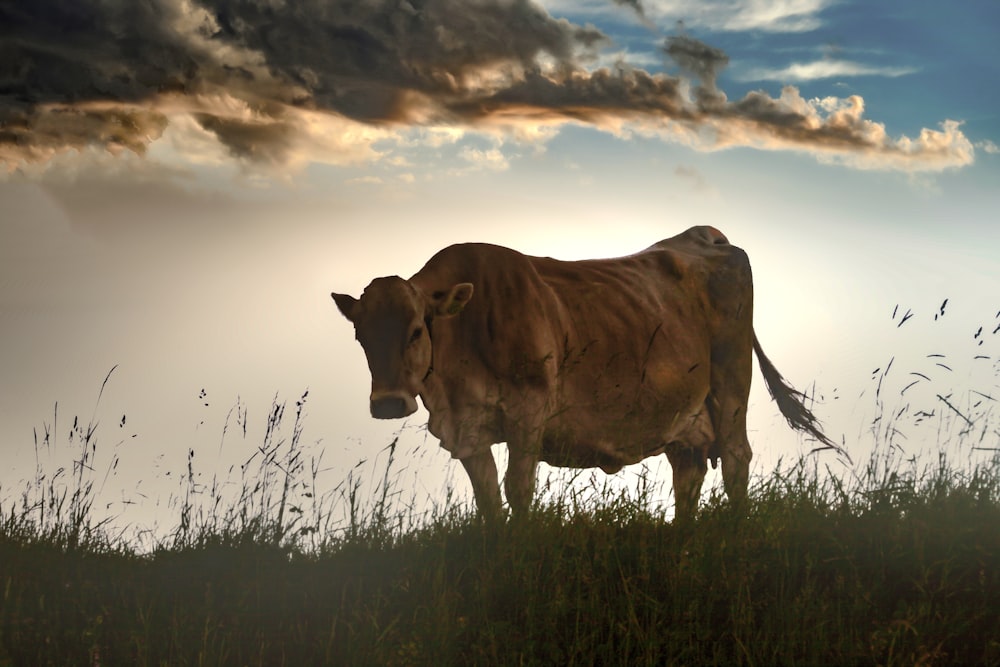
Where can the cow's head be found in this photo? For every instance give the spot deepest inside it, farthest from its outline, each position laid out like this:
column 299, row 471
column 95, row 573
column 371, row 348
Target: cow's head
column 392, row 322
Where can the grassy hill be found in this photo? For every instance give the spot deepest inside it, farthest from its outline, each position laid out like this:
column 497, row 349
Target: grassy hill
column 897, row 567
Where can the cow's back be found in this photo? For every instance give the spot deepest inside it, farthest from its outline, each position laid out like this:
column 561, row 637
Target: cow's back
column 681, row 279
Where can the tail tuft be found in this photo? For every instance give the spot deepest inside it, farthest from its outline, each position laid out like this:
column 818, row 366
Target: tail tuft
column 791, row 403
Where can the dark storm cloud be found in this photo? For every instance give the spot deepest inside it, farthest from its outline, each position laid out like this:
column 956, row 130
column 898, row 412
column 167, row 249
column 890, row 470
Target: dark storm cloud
column 256, row 73
column 358, row 59
column 361, row 58
column 263, row 142
column 638, row 8
column 75, row 74
column 591, row 97
column 696, row 58
column 38, row 133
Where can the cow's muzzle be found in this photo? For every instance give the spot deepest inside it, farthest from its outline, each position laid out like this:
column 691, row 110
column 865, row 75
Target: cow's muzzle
column 392, row 405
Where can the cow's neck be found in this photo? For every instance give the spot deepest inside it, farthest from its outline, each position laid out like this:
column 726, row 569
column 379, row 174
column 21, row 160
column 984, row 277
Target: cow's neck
column 435, row 399
column 433, row 393
column 428, row 322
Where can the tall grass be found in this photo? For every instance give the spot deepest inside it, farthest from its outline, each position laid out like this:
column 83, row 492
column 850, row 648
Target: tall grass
column 895, row 565
column 57, row 506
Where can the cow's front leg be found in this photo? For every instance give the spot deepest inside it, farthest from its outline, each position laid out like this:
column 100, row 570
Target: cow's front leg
column 482, row 471
column 520, row 480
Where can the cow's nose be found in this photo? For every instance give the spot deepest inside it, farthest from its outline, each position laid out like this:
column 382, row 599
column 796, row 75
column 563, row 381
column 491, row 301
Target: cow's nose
column 392, row 405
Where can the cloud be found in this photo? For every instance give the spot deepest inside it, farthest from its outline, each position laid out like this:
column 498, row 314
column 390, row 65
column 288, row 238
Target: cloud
column 774, row 16
column 38, row 133
column 988, row 147
column 273, row 84
column 489, row 159
column 769, row 15
column 697, row 59
column 637, row 7
column 631, row 100
column 83, row 73
column 836, row 131
column 690, row 174
column 823, row 69
column 696, row 181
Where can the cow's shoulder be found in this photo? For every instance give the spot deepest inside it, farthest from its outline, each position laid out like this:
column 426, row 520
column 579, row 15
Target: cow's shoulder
column 507, row 287
column 470, row 262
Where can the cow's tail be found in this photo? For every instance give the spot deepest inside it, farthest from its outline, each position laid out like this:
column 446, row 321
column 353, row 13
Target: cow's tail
column 792, row 403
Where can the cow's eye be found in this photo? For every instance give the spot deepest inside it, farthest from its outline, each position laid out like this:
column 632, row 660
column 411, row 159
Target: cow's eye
column 417, row 333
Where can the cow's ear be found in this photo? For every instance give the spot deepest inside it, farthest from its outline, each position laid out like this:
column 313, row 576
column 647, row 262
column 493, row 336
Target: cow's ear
column 346, row 303
column 452, row 302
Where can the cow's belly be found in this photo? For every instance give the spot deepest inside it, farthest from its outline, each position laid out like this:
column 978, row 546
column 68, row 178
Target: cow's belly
column 626, row 421
column 610, row 444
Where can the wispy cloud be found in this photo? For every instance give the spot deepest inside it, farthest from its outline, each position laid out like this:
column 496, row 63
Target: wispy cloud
column 692, row 176
column 823, row 69
column 766, row 15
column 729, row 15
column 289, row 84
column 988, row 147
column 485, row 159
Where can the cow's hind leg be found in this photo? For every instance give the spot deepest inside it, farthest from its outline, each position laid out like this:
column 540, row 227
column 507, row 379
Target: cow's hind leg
column 689, row 466
column 482, row 471
column 729, row 420
column 736, row 469
column 727, row 407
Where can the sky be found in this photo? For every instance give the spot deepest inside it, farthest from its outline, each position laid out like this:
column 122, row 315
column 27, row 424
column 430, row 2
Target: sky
column 184, row 182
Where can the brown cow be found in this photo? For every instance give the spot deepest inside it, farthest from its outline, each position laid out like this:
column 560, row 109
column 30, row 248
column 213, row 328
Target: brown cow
column 596, row 363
